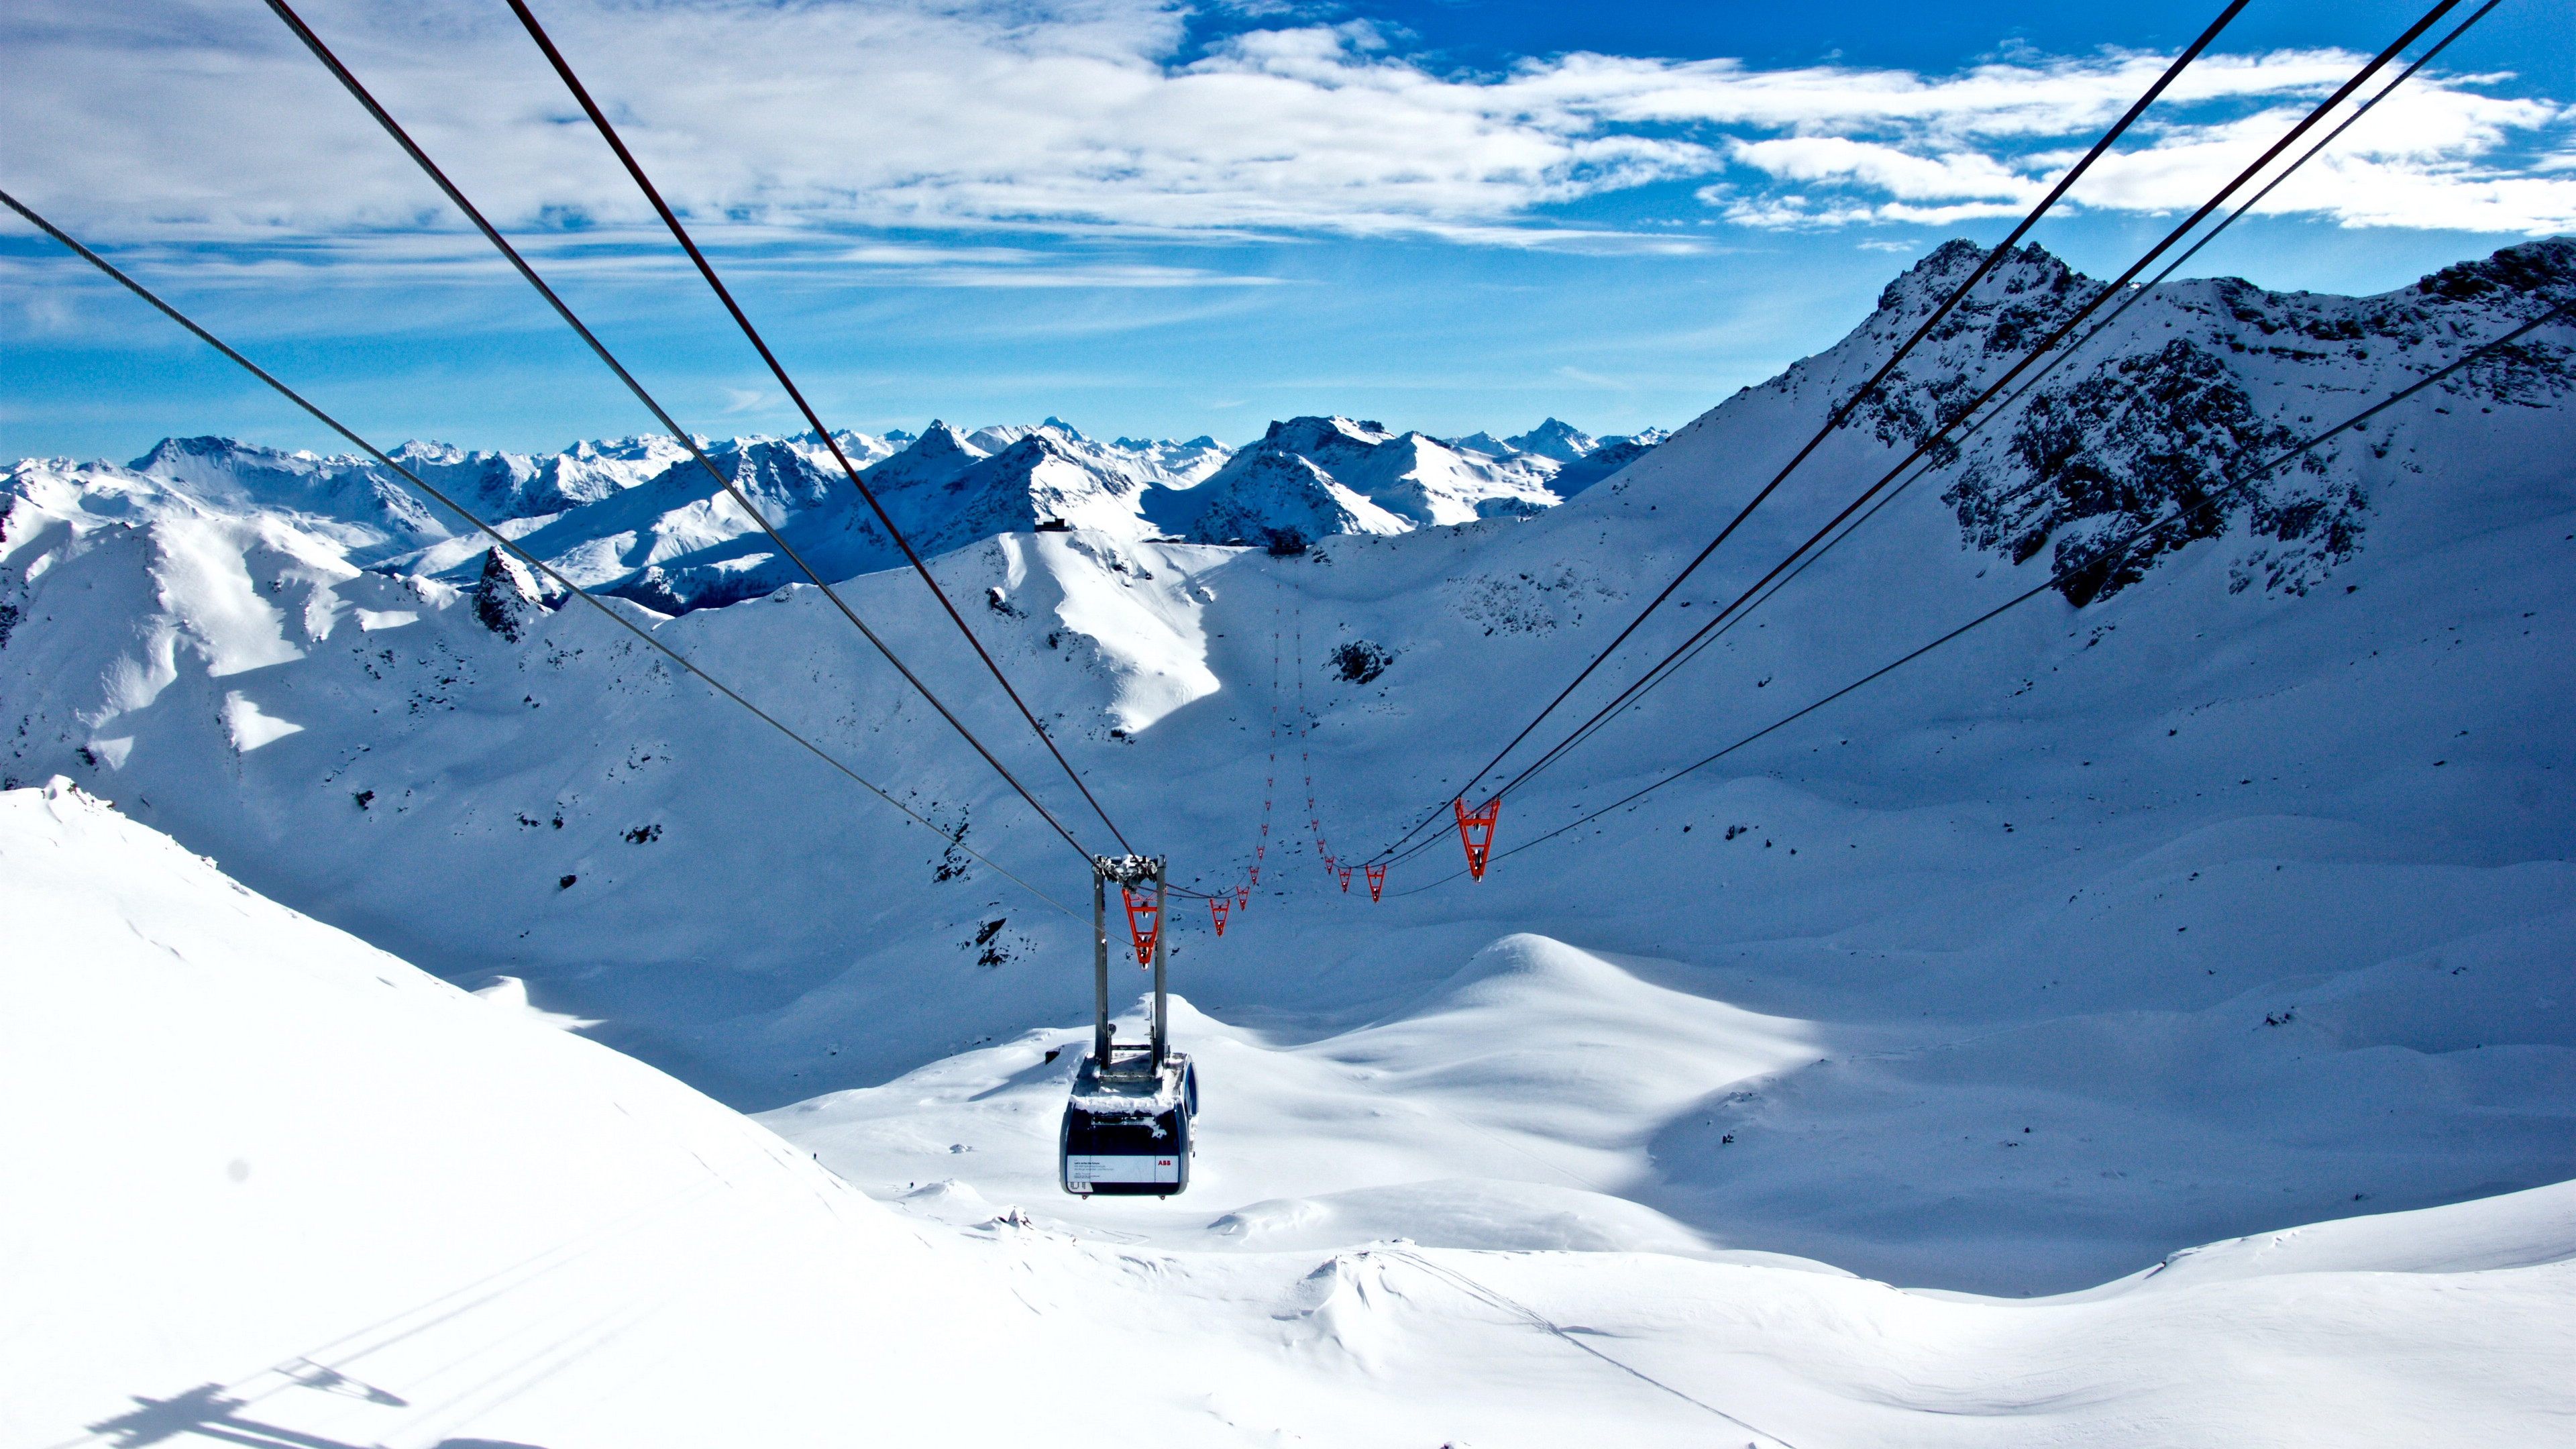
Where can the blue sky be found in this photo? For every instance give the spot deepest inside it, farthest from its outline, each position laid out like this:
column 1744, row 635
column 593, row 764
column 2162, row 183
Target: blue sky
column 1150, row 219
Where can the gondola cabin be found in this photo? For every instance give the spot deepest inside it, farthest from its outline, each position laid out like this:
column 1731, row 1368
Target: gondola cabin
column 1127, row 1122
column 1127, row 1129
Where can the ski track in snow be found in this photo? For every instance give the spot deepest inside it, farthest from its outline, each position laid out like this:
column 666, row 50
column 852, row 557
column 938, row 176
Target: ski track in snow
column 2168, row 996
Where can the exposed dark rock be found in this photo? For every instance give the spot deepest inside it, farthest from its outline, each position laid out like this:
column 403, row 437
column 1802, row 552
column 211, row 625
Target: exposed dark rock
column 1360, row 661
column 507, row 598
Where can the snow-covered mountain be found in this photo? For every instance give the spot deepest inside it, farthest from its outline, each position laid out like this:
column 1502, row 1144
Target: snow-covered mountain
column 1317, row 477
column 639, row 517
column 2212, row 898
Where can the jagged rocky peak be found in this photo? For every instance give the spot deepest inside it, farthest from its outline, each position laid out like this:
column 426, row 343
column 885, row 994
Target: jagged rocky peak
column 940, row 438
column 507, row 596
column 2141, row 438
column 939, row 447
column 1324, row 475
column 1569, row 458
column 348, row 490
column 1924, row 286
column 224, row 461
column 2544, row 268
column 1553, row 439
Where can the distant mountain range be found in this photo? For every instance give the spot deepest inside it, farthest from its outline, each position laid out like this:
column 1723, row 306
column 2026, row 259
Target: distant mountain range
column 640, row 518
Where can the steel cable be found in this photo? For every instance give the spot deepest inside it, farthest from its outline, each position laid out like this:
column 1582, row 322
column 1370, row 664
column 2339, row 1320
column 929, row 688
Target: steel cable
column 503, row 541
column 1835, row 421
column 707, row 270
column 2054, row 581
column 1679, row 660
column 401, row 137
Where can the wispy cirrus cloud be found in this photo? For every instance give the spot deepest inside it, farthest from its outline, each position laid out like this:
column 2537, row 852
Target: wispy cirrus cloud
column 178, row 121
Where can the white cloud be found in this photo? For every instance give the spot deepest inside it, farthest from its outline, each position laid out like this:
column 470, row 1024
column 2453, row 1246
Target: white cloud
column 1890, row 169
column 179, row 121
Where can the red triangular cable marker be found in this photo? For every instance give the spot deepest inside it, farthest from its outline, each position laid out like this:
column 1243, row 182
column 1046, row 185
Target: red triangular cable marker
column 1217, row 908
column 1144, row 922
column 1242, row 896
column 1476, row 832
column 1256, row 872
column 1376, row 879
column 1344, row 872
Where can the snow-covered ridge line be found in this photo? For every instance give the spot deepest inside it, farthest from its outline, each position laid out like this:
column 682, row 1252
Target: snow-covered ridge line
column 2192, row 384
column 639, row 518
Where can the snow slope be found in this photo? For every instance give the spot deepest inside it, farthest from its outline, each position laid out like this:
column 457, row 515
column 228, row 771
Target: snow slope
column 381, row 1211
column 2242, row 888
column 268, row 1181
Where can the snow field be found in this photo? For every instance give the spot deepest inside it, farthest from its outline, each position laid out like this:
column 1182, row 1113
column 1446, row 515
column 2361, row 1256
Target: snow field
column 254, row 1154
column 386, row 1212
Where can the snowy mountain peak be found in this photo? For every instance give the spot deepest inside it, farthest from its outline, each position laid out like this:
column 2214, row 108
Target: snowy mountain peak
column 1308, row 435
column 2133, row 442
column 1553, row 439
column 1921, row 288
column 938, row 452
column 1314, row 475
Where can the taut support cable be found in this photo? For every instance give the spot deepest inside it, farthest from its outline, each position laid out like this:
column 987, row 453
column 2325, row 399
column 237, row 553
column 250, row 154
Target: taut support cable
column 502, row 540
column 707, row 270
column 2117, row 287
column 723, row 480
column 1959, row 294
column 2246, row 480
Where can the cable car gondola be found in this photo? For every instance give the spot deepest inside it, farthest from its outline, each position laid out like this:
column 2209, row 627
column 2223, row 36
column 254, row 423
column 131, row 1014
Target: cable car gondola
column 1126, row 1125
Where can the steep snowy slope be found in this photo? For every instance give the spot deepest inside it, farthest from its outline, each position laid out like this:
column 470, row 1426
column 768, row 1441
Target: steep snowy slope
column 2241, row 887
column 271, row 1186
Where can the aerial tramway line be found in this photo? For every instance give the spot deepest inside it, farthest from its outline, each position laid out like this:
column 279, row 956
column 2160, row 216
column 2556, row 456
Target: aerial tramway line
column 1127, row 1123
column 1288, row 650
column 1700, row 642
column 1126, row 1127
column 1106, row 1075
column 1476, row 827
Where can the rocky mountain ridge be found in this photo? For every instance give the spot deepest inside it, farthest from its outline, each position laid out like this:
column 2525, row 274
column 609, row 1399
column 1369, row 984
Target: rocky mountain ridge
column 2191, row 386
